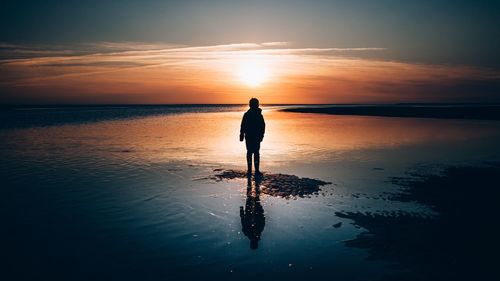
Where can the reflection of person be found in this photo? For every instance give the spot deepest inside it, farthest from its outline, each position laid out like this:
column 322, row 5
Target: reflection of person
column 252, row 217
column 252, row 131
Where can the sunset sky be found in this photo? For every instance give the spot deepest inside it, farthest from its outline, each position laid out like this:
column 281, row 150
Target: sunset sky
column 146, row 52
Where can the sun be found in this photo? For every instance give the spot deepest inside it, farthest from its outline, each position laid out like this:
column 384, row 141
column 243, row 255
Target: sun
column 253, row 73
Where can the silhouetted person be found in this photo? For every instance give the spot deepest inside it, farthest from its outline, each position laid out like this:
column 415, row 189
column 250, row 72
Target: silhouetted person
column 252, row 217
column 252, row 131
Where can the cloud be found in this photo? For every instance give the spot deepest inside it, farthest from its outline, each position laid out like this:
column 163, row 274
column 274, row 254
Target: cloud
column 358, row 49
column 274, row 44
column 168, row 70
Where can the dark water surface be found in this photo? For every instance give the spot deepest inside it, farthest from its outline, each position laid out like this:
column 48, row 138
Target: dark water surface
column 125, row 193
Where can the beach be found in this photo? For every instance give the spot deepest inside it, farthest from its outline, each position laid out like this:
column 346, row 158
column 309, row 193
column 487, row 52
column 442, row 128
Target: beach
column 155, row 193
column 441, row 111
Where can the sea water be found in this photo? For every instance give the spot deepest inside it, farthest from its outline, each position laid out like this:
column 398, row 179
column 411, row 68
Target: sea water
column 124, row 192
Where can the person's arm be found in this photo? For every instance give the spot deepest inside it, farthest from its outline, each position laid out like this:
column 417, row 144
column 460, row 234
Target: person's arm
column 263, row 126
column 243, row 127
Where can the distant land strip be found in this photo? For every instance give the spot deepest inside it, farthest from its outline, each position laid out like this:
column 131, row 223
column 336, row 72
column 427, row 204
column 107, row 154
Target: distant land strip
column 483, row 112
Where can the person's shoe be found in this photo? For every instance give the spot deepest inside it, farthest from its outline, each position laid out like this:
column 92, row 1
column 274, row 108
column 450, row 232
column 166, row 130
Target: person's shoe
column 258, row 174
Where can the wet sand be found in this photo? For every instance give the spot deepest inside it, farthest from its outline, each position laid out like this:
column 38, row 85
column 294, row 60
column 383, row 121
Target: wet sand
column 278, row 185
column 136, row 198
column 455, row 244
column 491, row 112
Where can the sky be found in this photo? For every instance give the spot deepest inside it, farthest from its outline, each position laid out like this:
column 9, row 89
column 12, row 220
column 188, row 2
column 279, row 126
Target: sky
column 120, row 52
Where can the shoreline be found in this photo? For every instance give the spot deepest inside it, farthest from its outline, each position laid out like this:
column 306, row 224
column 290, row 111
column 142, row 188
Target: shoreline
column 483, row 112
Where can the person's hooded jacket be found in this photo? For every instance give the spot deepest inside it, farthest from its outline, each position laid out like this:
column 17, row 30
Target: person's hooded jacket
column 252, row 125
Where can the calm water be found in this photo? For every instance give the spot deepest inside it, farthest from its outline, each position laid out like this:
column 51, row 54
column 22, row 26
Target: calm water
column 122, row 192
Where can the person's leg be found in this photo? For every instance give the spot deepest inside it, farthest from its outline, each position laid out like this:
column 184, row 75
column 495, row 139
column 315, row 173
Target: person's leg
column 249, row 161
column 257, row 162
column 257, row 158
column 248, row 144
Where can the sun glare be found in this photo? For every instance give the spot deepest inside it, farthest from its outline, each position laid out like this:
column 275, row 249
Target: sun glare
column 253, row 73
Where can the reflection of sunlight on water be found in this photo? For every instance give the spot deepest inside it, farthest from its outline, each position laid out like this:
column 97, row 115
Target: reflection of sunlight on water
column 212, row 138
column 125, row 177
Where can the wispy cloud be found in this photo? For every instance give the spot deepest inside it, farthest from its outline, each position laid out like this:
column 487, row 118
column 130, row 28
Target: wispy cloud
column 275, row 44
column 163, row 72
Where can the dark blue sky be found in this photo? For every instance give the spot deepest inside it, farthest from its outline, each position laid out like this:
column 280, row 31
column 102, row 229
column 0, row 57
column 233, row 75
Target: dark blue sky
column 450, row 32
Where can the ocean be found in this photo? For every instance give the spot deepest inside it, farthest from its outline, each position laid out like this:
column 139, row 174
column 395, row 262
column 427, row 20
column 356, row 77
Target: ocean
column 128, row 192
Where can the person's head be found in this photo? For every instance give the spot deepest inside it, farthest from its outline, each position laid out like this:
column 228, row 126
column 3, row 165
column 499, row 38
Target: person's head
column 253, row 103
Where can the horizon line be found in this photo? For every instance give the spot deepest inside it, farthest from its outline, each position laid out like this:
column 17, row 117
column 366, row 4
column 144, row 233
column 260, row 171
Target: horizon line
column 232, row 104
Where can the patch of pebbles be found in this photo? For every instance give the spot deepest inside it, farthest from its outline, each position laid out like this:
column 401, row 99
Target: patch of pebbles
column 279, row 185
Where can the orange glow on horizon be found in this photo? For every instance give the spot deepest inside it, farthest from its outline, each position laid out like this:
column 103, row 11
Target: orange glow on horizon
column 228, row 74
